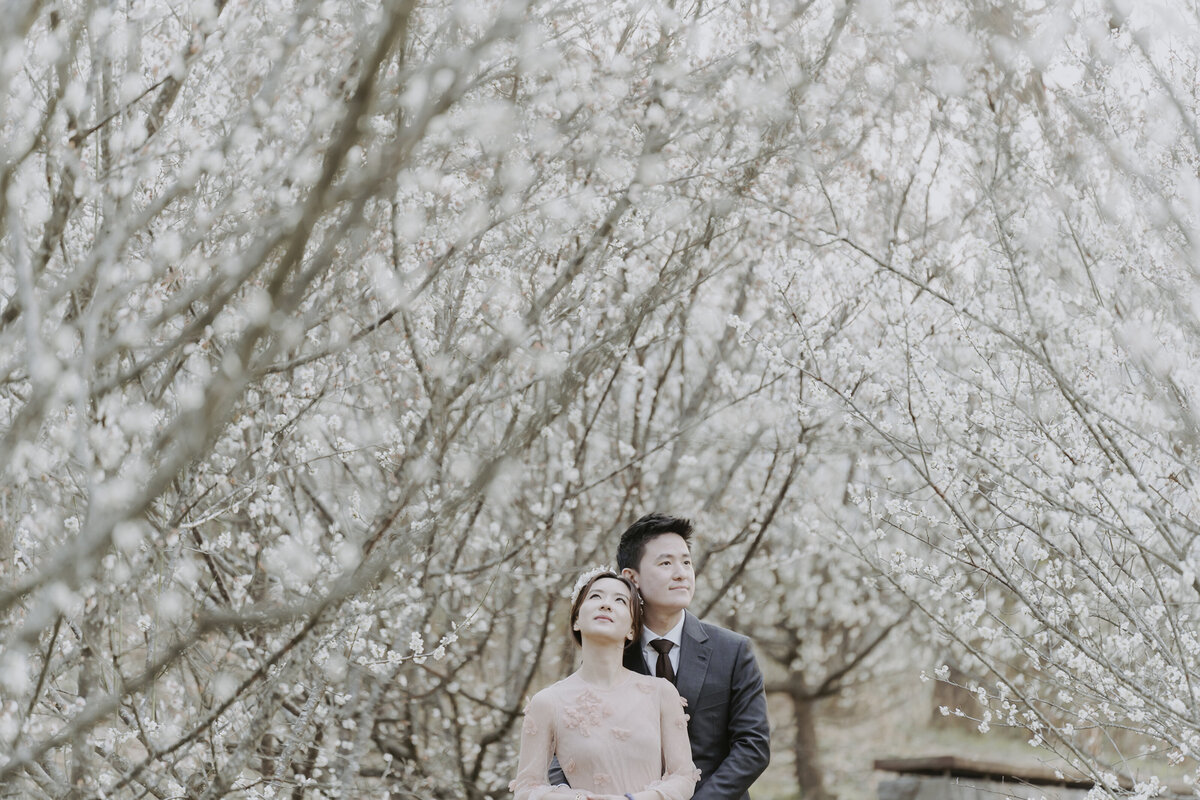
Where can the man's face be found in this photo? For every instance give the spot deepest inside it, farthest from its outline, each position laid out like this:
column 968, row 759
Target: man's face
column 664, row 575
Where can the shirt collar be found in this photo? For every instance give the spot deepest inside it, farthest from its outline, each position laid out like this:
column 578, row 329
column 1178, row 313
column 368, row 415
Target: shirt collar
column 675, row 635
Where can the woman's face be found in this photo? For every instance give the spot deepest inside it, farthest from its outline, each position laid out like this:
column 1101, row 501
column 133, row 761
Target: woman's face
column 604, row 612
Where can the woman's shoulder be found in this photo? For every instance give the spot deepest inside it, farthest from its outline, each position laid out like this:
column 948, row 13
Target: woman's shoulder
column 640, row 682
column 654, row 687
column 566, row 684
column 552, row 694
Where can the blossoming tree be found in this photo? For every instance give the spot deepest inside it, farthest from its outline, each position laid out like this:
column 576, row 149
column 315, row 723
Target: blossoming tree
column 336, row 337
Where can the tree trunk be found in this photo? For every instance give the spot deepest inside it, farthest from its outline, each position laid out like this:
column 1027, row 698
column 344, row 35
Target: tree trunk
column 808, row 767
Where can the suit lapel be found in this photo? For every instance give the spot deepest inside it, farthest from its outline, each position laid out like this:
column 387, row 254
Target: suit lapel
column 694, row 653
column 633, row 658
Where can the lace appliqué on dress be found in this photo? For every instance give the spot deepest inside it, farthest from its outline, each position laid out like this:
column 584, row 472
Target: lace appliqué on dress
column 530, row 726
column 601, row 780
column 585, row 714
column 620, row 734
column 682, row 723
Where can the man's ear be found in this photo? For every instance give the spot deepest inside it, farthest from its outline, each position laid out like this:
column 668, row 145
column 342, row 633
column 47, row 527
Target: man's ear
column 631, row 574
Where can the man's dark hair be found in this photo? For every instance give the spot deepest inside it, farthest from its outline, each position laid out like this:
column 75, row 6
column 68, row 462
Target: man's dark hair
column 633, row 541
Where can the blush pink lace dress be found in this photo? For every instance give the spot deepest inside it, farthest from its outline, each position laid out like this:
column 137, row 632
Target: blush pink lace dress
column 628, row 738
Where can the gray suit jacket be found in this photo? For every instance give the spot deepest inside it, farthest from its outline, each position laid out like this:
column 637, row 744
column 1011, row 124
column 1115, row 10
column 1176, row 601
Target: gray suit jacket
column 728, row 729
column 723, row 686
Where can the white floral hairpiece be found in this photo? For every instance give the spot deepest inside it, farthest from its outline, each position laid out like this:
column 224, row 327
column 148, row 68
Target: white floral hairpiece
column 586, row 577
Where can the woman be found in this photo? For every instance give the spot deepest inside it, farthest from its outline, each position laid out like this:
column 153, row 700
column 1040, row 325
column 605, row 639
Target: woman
column 618, row 735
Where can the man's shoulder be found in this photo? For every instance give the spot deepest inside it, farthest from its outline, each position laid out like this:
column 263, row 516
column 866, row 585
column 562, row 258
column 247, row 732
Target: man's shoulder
column 721, row 635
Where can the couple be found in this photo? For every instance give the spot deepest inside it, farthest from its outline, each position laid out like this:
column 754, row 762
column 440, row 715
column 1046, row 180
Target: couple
column 612, row 732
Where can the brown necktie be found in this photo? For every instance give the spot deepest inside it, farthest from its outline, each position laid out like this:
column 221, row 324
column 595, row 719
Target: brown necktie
column 663, row 668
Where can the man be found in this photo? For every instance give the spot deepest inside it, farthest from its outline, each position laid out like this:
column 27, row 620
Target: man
column 713, row 668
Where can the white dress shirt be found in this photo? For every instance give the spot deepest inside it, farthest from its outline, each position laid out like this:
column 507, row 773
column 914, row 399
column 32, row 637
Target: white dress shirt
column 675, row 636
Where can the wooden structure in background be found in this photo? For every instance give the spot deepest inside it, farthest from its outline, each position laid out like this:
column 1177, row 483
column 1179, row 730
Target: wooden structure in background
column 955, row 778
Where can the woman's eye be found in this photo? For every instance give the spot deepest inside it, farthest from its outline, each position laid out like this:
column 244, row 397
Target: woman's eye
column 622, row 600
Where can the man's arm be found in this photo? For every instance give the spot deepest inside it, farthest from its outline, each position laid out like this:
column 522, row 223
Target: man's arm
column 749, row 733
column 555, row 774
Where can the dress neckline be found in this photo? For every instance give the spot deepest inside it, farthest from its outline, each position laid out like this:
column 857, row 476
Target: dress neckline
column 629, row 676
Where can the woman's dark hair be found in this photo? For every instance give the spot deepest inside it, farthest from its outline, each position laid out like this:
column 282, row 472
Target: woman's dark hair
column 635, row 605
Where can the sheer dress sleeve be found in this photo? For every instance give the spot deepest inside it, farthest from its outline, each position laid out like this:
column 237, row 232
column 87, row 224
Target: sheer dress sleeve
column 679, row 772
column 537, row 748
